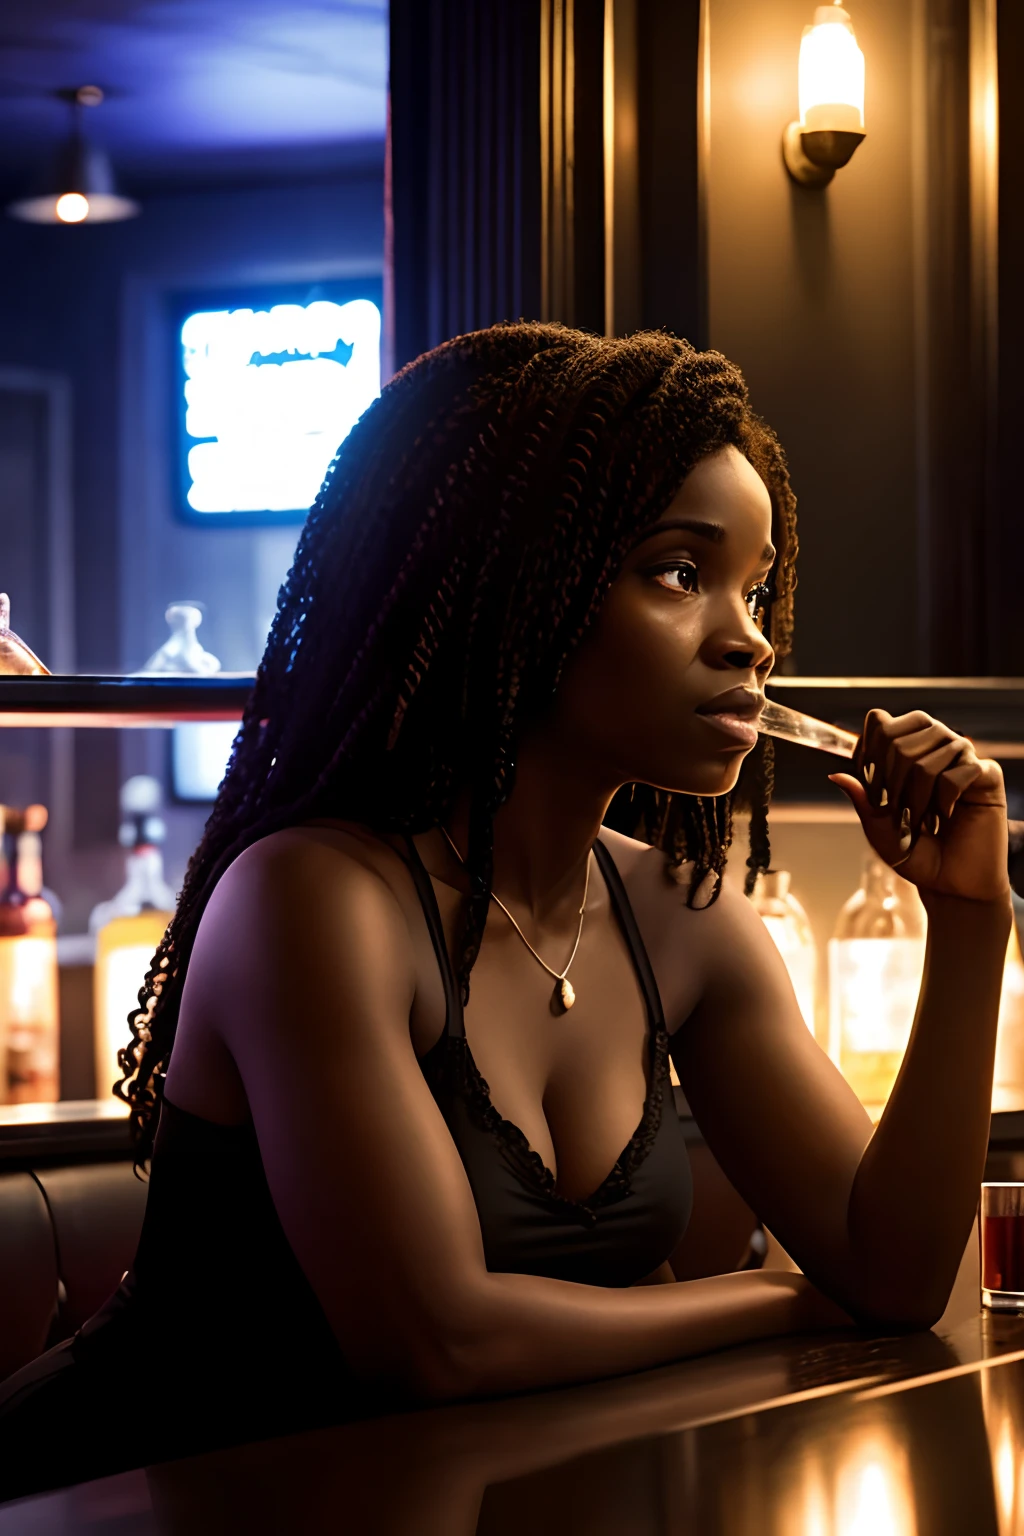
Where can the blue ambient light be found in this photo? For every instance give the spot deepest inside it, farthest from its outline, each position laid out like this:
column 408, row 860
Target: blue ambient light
column 268, row 396
column 199, row 757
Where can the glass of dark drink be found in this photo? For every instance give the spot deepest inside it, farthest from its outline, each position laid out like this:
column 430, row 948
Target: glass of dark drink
column 1002, row 1247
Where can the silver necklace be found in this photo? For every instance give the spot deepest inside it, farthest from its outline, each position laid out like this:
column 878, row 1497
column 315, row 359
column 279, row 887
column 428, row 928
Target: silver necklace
column 564, row 991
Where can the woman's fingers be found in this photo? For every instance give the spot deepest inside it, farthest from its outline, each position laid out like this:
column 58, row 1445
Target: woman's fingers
column 953, row 783
column 914, row 770
column 919, row 793
column 905, row 765
column 854, row 790
column 877, row 754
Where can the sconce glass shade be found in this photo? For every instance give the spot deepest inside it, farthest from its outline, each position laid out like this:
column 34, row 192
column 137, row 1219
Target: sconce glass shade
column 831, row 74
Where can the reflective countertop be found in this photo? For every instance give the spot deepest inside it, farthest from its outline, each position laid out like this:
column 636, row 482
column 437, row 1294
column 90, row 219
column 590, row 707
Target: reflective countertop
column 839, row 1435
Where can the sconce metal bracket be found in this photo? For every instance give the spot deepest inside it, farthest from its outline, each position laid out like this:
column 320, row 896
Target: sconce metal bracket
column 812, row 159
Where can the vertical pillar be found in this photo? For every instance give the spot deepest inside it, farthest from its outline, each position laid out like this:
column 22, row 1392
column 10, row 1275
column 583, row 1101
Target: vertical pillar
column 543, row 165
column 961, row 567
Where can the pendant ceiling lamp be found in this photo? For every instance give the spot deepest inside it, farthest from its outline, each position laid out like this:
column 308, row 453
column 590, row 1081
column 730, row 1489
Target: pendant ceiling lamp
column 79, row 188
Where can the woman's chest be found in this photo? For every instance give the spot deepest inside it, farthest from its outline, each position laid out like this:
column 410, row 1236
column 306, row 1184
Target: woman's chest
column 514, row 998
column 574, row 1082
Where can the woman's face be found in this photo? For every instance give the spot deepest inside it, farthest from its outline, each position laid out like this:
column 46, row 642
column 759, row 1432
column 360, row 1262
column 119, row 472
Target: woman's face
column 679, row 627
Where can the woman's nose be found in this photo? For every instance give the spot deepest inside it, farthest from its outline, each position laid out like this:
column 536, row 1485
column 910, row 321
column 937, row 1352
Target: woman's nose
column 752, row 651
column 748, row 660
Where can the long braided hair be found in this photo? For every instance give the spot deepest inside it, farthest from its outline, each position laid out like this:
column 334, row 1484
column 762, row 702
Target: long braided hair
column 461, row 544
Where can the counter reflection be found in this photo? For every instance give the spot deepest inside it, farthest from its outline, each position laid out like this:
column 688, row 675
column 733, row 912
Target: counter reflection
column 1002, row 1396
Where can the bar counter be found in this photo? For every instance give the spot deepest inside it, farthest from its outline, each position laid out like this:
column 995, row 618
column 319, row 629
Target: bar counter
column 844, row 1434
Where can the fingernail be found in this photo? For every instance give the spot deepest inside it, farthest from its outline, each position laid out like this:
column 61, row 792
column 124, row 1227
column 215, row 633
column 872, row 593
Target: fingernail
column 936, row 823
column 883, row 798
column 869, row 772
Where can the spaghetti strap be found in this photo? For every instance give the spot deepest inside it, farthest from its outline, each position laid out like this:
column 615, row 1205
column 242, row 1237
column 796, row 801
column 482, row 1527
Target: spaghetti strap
column 454, row 1022
column 624, row 911
column 454, row 1025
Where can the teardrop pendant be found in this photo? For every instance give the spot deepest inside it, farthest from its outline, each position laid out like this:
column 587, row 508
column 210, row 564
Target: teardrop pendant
column 566, row 993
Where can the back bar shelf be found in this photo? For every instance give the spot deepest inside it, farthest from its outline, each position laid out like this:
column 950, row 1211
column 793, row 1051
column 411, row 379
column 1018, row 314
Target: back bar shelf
column 988, row 709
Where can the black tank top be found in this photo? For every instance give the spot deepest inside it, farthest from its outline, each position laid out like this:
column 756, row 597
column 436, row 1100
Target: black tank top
column 634, row 1219
column 218, row 1297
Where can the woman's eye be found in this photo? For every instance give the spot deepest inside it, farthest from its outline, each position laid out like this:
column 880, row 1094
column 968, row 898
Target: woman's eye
column 757, row 600
column 685, row 570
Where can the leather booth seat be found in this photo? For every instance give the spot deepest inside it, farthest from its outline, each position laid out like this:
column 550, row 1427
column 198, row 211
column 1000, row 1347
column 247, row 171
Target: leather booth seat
column 67, row 1235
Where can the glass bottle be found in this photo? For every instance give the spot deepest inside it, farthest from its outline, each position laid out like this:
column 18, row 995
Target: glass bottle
column 15, row 656
column 29, row 996
column 1008, row 1079
column 790, row 927
column 875, row 964
column 129, row 927
column 183, row 651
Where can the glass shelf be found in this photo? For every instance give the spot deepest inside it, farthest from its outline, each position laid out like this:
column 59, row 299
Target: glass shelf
column 988, row 709
column 162, row 700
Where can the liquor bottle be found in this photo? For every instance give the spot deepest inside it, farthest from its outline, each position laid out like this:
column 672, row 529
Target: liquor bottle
column 875, row 964
column 790, row 927
column 129, row 927
column 16, row 658
column 29, row 1006
column 183, row 651
column 1008, row 1078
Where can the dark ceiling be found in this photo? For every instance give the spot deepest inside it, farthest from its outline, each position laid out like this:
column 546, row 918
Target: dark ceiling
column 198, row 91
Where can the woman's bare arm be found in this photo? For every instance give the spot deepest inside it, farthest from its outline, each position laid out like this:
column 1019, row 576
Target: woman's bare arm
column 879, row 1220
column 314, row 997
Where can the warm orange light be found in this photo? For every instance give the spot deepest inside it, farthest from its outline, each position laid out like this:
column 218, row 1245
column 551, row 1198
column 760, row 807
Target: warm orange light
column 72, row 208
column 831, row 73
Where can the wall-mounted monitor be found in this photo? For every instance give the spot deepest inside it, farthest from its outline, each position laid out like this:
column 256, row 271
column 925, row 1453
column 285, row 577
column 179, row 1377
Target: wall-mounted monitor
column 199, row 758
column 268, row 384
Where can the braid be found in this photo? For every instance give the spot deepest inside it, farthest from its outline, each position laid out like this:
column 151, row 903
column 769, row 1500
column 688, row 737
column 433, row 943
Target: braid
column 462, row 543
column 760, row 848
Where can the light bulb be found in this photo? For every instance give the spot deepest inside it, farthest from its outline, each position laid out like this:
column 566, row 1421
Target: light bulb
column 72, row 208
column 831, row 74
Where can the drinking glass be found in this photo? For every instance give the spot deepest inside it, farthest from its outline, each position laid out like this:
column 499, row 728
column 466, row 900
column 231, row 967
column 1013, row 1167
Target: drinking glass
column 1001, row 1229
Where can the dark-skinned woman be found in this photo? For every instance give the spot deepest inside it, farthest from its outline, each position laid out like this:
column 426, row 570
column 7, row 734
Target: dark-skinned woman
column 399, row 1072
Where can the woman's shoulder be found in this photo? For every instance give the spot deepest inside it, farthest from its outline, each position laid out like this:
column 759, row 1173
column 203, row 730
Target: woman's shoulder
column 300, row 889
column 646, row 868
column 336, row 859
column 687, row 946
column 323, row 843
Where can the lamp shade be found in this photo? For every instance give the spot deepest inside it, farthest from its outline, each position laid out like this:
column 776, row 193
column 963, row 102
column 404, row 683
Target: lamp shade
column 79, row 189
column 831, row 74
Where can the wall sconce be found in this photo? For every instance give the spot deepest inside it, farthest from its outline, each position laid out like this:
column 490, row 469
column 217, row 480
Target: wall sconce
column 831, row 85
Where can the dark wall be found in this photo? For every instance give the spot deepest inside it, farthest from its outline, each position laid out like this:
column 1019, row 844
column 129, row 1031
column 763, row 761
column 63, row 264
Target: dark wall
column 812, row 293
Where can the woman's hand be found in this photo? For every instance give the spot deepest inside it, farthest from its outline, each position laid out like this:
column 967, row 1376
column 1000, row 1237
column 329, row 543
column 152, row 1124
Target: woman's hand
column 930, row 807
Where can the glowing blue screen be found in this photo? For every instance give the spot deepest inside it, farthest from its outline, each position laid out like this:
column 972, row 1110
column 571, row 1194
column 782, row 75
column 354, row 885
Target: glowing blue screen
column 269, row 395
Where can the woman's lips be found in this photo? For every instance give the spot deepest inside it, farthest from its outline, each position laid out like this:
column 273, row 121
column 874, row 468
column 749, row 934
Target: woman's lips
column 742, row 731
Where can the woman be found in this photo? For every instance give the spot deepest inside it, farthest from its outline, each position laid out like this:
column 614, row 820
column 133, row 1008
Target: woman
column 401, row 1057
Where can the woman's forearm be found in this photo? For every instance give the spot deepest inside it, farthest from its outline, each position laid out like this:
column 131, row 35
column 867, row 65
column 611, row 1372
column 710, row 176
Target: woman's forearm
column 525, row 1331
column 916, row 1189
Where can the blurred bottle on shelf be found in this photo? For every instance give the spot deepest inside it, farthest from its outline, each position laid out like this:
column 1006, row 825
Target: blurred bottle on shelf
column 29, row 1007
column 129, row 927
column 875, row 964
column 1008, row 1080
column 183, row 650
column 790, row 927
column 16, row 658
